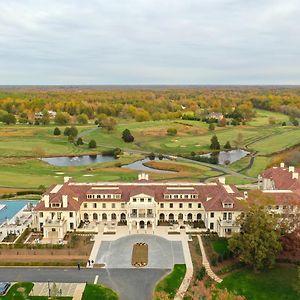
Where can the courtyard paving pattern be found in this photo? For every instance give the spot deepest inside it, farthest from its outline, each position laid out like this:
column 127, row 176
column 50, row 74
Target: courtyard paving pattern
column 163, row 254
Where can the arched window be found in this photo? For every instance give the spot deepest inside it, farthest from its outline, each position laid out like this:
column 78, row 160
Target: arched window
column 199, row 217
column 180, row 216
column 113, row 216
column 86, row 217
column 104, row 216
column 95, row 216
column 171, row 217
column 123, row 216
column 190, row 216
column 162, row 217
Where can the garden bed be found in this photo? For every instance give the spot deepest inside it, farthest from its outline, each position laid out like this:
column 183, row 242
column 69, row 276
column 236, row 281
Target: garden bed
column 139, row 255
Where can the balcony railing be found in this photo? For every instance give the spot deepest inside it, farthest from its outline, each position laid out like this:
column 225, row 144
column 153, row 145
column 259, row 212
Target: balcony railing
column 142, row 215
column 226, row 222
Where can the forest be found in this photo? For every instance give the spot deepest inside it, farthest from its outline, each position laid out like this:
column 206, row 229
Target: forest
column 146, row 104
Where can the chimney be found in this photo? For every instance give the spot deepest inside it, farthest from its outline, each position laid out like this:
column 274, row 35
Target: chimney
column 140, row 176
column 46, row 199
column 64, row 201
column 222, row 179
column 146, row 176
column 291, row 169
column 295, row 176
column 282, row 165
column 67, row 179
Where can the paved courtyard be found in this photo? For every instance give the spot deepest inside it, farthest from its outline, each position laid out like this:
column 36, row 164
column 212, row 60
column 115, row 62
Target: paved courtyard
column 163, row 254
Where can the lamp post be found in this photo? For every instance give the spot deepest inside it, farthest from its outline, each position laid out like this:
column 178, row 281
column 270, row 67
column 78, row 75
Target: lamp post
column 49, row 290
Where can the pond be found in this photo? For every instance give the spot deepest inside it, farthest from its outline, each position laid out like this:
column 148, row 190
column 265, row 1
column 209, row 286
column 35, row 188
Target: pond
column 66, row 161
column 229, row 157
column 139, row 166
column 9, row 208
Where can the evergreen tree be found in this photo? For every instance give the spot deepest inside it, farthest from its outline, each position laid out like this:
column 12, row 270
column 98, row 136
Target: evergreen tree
column 79, row 141
column 227, row 146
column 215, row 145
column 127, row 136
column 56, row 131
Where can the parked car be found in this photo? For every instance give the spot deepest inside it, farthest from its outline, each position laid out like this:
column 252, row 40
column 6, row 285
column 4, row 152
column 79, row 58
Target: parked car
column 4, row 286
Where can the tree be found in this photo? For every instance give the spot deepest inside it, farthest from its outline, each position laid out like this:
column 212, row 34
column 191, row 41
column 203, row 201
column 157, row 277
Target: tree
column 151, row 156
column 171, row 131
column 239, row 142
column 56, row 131
column 127, row 136
column 227, row 146
column 62, row 118
column 73, row 131
column 45, row 119
column 211, row 127
column 82, row 119
column 79, row 141
column 109, row 123
column 67, row 131
column 258, row 243
column 215, row 145
column 9, row 119
column 92, row 144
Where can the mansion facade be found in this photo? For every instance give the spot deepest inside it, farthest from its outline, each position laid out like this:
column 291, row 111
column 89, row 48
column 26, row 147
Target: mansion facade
column 145, row 203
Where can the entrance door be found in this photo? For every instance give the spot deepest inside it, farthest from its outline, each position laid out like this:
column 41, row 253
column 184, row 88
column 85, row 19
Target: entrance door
column 142, row 224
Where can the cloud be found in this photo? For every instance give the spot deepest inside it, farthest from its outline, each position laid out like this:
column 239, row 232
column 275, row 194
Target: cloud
column 149, row 41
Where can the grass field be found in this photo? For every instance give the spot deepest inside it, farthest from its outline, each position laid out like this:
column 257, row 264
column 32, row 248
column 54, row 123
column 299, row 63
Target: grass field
column 275, row 284
column 97, row 292
column 171, row 282
column 21, row 141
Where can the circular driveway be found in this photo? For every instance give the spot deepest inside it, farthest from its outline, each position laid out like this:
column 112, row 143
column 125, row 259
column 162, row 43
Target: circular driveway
column 162, row 253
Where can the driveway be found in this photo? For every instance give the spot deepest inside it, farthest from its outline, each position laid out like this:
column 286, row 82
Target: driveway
column 162, row 253
column 131, row 284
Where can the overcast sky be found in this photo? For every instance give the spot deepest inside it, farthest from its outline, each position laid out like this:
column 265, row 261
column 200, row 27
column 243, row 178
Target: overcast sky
column 150, row 42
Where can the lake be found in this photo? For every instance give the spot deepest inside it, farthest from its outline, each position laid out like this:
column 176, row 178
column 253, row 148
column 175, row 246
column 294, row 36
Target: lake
column 230, row 157
column 66, row 161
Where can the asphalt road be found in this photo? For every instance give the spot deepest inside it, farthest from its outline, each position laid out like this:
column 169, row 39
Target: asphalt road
column 130, row 284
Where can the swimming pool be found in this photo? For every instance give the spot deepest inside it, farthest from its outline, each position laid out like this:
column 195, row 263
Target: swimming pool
column 12, row 207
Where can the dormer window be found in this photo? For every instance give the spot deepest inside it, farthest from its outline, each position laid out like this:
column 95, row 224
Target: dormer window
column 55, row 204
column 227, row 205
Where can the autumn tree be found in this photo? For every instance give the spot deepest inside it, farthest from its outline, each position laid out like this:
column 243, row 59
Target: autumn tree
column 62, row 118
column 258, row 242
column 82, row 119
column 9, row 119
column 109, row 123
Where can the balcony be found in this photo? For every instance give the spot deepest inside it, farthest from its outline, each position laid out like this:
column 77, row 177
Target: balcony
column 226, row 222
column 142, row 215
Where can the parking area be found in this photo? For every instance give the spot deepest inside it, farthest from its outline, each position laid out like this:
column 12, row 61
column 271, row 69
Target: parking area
column 163, row 254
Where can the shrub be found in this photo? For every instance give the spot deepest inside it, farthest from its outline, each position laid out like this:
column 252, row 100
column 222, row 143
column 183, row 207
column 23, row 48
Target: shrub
column 214, row 261
column 200, row 273
column 151, row 156
column 127, row 136
column 172, row 131
column 211, row 127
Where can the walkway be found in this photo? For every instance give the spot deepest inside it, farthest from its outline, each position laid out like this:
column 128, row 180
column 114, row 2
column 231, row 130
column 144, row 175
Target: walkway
column 189, row 269
column 206, row 264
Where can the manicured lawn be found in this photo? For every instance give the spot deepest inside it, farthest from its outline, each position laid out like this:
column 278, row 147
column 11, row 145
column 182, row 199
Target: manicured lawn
column 171, row 282
column 275, row 284
column 20, row 291
column 24, row 140
column 220, row 246
column 98, row 292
